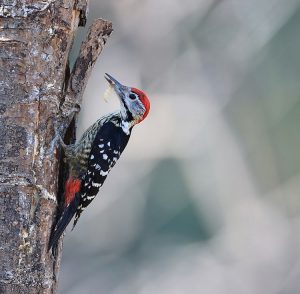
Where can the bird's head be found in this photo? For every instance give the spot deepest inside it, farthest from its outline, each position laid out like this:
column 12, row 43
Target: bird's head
column 135, row 104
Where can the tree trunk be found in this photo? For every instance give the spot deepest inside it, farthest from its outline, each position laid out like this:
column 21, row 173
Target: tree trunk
column 38, row 96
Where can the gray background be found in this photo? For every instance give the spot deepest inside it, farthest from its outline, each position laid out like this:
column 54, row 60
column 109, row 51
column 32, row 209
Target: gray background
column 205, row 199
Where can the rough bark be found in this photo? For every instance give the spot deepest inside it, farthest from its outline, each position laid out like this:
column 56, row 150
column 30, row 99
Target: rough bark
column 37, row 99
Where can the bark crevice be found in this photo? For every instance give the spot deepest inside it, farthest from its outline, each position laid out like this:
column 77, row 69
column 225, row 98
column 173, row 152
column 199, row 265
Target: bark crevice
column 90, row 49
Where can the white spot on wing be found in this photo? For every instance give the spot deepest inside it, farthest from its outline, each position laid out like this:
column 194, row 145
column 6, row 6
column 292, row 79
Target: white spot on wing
column 105, row 156
column 103, row 173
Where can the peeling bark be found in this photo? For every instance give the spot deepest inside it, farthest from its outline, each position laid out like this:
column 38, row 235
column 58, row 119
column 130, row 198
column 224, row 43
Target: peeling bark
column 35, row 102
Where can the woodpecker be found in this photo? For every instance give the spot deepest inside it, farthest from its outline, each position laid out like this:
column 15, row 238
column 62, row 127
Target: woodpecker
column 94, row 155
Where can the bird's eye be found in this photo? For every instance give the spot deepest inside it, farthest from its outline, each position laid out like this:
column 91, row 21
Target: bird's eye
column 132, row 96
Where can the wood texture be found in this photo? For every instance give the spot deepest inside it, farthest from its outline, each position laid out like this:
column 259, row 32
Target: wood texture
column 35, row 40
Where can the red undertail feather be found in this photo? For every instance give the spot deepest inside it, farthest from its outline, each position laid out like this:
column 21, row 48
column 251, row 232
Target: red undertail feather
column 72, row 187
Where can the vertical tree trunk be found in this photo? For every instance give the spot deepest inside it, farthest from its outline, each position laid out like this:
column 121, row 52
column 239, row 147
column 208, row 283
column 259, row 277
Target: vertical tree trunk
column 37, row 98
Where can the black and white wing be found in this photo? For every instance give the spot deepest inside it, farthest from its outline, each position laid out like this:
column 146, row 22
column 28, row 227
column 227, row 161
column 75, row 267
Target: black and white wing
column 108, row 145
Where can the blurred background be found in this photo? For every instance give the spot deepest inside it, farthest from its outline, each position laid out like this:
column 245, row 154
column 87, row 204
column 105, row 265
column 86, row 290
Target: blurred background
column 205, row 199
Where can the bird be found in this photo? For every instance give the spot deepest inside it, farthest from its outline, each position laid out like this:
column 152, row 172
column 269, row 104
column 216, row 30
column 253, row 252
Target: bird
column 92, row 157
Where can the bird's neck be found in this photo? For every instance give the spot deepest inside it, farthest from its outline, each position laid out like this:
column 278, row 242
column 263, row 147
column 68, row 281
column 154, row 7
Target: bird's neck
column 126, row 126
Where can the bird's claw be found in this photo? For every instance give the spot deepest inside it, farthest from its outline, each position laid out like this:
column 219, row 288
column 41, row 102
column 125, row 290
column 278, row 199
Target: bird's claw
column 56, row 142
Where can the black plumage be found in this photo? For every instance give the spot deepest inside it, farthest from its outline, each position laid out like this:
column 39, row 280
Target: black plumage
column 109, row 142
column 107, row 147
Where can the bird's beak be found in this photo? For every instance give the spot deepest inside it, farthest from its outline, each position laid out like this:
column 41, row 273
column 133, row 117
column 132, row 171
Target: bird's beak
column 118, row 87
column 112, row 81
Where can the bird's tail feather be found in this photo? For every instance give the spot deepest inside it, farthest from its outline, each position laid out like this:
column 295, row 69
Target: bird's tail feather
column 63, row 221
